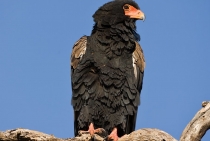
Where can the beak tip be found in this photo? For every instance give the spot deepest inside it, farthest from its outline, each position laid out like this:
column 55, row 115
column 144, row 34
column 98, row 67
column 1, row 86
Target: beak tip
column 143, row 18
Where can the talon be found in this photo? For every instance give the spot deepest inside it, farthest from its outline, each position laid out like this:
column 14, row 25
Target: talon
column 92, row 131
column 113, row 136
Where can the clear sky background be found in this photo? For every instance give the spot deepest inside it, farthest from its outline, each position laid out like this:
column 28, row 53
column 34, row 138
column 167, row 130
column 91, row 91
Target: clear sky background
column 36, row 39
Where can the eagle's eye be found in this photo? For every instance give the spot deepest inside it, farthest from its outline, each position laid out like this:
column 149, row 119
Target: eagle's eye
column 126, row 7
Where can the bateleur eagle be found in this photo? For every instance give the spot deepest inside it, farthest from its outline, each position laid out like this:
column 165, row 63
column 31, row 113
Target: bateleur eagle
column 107, row 71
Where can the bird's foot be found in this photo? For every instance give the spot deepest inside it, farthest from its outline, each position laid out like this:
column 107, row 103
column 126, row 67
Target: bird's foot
column 113, row 136
column 92, row 131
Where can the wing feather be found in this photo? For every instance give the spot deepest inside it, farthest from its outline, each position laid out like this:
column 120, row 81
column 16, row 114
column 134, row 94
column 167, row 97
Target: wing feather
column 79, row 50
column 139, row 65
column 79, row 90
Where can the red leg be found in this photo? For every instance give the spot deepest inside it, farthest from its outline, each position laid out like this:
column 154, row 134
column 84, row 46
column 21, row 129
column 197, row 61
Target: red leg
column 91, row 130
column 113, row 136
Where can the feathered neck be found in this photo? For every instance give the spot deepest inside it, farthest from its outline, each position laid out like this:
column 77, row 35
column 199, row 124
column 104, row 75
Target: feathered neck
column 118, row 30
column 117, row 38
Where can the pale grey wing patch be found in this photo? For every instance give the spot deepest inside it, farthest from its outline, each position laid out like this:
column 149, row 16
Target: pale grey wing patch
column 79, row 50
column 135, row 68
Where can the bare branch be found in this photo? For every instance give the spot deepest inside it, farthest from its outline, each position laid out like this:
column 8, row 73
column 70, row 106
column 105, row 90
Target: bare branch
column 148, row 134
column 26, row 135
column 30, row 135
column 198, row 126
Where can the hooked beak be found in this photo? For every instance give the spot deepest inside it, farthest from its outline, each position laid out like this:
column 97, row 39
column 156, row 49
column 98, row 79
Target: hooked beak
column 132, row 12
column 138, row 15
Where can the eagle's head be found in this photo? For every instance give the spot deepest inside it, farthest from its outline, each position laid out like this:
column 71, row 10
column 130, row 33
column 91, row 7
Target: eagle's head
column 118, row 11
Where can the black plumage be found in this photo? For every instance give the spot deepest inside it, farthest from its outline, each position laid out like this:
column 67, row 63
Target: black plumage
column 107, row 70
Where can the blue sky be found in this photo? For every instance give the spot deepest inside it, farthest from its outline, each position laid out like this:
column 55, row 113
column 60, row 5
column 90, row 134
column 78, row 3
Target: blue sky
column 36, row 39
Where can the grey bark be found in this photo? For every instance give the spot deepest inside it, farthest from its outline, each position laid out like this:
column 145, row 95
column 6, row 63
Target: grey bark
column 198, row 126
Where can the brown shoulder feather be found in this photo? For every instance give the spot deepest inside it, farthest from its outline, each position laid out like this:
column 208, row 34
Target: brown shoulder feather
column 139, row 57
column 78, row 51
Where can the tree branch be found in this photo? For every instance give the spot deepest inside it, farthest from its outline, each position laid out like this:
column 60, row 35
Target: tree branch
column 148, row 134
column 30, row 135
column 198, row 126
